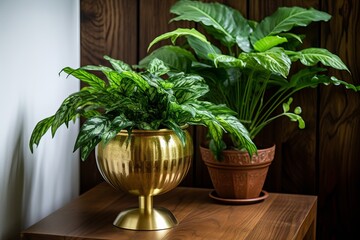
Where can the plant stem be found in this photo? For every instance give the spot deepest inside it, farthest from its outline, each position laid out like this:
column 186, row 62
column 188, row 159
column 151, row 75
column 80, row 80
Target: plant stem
column 255, row 103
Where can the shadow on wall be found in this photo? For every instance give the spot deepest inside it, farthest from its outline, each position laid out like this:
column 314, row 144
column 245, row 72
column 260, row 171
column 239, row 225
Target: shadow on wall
column 34, row 185
column 38, row 38
column 13, row 183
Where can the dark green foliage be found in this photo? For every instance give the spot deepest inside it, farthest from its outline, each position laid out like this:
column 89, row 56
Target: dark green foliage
column 254, row 57
column 151, row 99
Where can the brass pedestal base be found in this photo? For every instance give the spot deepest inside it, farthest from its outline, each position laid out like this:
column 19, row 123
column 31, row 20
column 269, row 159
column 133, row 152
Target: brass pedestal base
column 137, row 219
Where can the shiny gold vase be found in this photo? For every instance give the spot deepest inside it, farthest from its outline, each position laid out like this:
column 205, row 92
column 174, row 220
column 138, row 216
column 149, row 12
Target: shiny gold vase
column 147, row 164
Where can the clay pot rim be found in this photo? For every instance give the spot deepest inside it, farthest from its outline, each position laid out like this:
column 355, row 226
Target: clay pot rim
column 255, row 160
column 244, row 152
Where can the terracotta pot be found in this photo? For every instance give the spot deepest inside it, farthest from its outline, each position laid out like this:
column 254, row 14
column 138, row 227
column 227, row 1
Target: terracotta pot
column 237, row 176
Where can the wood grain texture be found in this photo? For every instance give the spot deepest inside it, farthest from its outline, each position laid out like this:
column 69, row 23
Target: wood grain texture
column 280, row 216
column 108, row 27
column 339, row 152
column 154, row 17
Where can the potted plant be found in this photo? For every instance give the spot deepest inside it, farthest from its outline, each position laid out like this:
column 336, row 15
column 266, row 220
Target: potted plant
column 250, row 67
column 137, row 122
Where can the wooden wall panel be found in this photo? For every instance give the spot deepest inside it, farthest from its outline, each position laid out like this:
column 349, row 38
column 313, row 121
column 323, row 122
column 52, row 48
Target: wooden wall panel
column 154, row 17
column 322, row 159
column 108, row 27
column 339, row 128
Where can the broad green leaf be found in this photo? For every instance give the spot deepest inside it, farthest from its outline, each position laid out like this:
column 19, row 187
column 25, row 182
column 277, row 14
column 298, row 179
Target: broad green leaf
column 40, row 129
column 188, row 108
column 113, row 77
column 152, row 81
column 86, row 77
column 86, row 149
column 277, row 81
column 303, row 78
column 96, row 68
column 198, row 66
column 274, row 60
column 127, row 87
column 203, row 115
column 166, row 84
column 288, row 36
column 268, row 42
column 216, row 149
column 88, row 113
column 177, row 129
column 163, row 87
column 136, row 78
column 244, row 43
column 224, row 23
column 228, row 61
column 233, row 126
column 309, row 77
column 284, row 19
column 221, row 123
column 188, row 87
column 156, row 124
column 173, row 35
column 216, row 133
column 93, row 127
column 293, row 41
column 118, row 65
column 311, row 56
column 144, row 125
column 69, row 108
column 119, row 123
column 253, row 24
column 123, row 103
column 202, row 49
column 157, row 67
column 217, row 109
column 176, row 58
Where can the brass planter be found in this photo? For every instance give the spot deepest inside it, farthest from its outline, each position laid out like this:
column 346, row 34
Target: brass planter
column 150, row 163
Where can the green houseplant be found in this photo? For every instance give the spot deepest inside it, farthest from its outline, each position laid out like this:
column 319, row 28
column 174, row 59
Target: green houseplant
column 138, row 100
column 136, row 121
column 249, row 65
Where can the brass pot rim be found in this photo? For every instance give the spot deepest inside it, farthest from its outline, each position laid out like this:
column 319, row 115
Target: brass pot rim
column 152, row 131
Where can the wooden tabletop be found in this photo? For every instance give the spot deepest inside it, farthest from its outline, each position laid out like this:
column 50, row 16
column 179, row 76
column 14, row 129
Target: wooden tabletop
column 90, row 216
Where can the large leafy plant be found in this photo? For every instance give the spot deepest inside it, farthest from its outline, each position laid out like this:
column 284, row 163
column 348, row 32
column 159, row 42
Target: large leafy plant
column 150, row 99
column 248, row 66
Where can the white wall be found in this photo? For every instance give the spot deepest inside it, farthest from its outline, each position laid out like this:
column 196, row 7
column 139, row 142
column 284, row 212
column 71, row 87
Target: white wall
column 37, row 39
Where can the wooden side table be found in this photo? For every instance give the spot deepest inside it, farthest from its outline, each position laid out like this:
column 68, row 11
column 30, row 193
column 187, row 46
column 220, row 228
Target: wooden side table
column 90, row 216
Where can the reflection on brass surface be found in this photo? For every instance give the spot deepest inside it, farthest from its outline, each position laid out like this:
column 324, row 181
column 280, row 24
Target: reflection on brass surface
column 147, row 164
